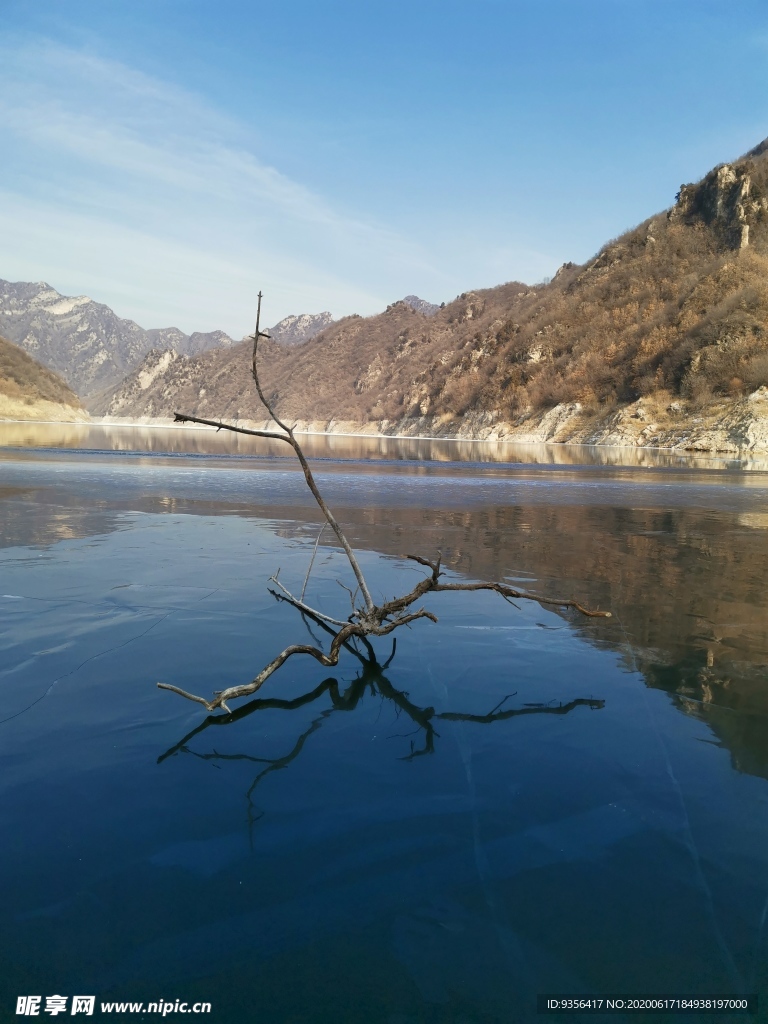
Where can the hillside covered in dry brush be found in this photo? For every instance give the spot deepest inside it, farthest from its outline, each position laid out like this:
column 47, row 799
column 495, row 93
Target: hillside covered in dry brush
column 673, row 313
column 31, row 391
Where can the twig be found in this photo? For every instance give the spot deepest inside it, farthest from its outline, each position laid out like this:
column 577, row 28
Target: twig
column 311, row 561
column 288, row 596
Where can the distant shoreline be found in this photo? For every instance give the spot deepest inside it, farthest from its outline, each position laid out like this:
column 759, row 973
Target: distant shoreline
column 733, row 427
column 676, row 445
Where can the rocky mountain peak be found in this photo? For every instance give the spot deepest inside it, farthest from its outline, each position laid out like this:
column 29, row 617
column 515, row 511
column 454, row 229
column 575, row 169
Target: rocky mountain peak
column 296, row 329
column 421, row 305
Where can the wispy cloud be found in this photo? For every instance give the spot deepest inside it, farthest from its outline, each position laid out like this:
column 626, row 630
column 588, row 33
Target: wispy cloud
column 155, row 279
column 164, row 202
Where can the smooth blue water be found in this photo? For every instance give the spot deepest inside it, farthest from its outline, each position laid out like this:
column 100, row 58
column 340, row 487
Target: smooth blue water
column 521, row 801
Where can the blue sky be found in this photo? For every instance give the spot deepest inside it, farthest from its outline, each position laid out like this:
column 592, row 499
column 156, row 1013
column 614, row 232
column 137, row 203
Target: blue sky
column 171, row 157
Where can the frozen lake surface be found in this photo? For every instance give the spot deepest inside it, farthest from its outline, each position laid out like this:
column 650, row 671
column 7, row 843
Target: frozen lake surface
column 522, row 801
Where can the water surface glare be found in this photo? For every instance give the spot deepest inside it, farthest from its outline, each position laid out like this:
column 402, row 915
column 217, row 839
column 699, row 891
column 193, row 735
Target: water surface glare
column 521, row 800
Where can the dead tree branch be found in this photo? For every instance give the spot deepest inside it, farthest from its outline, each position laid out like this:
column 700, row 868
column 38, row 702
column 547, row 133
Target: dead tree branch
column 370, row 620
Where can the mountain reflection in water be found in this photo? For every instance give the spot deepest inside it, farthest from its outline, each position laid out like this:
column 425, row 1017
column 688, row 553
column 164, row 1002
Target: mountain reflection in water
column 680, row 559
column 190, row 440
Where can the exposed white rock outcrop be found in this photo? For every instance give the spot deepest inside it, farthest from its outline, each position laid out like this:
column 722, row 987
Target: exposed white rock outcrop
column 730, row 427
column 724, row 199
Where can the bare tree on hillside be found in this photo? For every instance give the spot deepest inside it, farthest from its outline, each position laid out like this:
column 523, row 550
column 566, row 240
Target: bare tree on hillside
column 366, row 619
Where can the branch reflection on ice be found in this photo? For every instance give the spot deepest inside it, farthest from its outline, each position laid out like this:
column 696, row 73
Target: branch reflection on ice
column 371, row 678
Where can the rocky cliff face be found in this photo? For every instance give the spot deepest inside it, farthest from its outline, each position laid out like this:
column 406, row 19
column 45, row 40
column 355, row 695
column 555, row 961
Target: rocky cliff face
column 85, row 341
column 727, row 200
column 165, row 382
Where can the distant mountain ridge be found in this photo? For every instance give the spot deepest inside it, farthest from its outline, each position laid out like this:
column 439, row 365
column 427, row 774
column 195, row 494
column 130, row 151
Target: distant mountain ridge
column 295, row 330
column 85, row 341
column 188, row 344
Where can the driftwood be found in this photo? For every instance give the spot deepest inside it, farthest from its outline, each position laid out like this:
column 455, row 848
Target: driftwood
column 367, row 619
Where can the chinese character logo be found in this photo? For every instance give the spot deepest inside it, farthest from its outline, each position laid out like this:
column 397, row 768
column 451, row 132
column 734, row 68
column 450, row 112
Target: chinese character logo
column 83, row 1004
column 29, row 1006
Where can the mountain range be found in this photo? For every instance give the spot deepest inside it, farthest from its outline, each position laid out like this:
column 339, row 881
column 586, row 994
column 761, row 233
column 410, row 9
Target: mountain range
column 94, row 349
column 659, row 339
column 85, row 341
